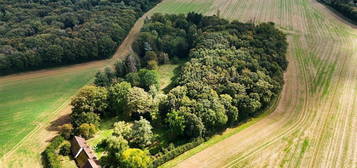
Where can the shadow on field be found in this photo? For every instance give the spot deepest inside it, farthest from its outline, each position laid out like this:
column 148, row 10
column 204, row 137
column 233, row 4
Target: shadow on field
column 55, row 124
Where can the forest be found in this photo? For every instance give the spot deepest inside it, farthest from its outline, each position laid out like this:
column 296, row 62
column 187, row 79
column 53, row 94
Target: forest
column 233, row 71
column 347, row 7
column 38, row 34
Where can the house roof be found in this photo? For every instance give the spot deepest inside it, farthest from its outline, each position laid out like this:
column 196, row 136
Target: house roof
column 82, row 144
column 91, row 164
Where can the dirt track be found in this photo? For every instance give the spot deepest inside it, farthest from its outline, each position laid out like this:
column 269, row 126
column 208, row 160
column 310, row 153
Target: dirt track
column 315, row 123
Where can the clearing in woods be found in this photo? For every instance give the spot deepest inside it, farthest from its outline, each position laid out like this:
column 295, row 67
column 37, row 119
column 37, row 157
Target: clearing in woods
column 315, row 122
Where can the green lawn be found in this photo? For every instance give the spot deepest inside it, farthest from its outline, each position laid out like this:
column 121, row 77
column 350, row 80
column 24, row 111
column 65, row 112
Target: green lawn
column 24, row 104
column 166, row 73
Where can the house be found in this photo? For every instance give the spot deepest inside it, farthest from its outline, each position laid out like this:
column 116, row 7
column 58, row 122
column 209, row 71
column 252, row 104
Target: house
column 82, row 153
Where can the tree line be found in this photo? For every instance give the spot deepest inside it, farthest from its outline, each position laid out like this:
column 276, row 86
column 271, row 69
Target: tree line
column 233, row 72
column 37, row 34
column 347, row 7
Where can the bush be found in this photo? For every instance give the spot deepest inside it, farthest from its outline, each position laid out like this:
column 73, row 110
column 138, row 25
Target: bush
column 66, row 130
column 50, row 156
column 65, row 149
column 176, row 152
column 87, row 130
column 152, row 64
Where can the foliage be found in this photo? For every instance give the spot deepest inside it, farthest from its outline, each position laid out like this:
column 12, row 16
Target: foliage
column 90, row 99
column 50, row 156
column 135, row 158
column 347, row 7
column 115, row 147
column 89, row 118
column 122, row 129
column 38, row 34
column 142, row 134
column 140, row 103
column 176, row 152
column 144, row 78
column 87, row 130
column 118, row 98
column 116, row 144
column 66, row 130
column 65, row 149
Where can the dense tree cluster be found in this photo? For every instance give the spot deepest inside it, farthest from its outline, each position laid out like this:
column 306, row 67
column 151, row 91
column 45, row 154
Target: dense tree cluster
column 233, row 71
column 347, row 7
column 42, row 33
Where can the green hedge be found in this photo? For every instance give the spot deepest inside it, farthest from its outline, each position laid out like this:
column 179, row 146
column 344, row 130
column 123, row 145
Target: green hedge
column 176, row 152
column 50, row 157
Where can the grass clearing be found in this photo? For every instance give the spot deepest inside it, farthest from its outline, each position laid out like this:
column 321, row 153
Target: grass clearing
column 166, row 73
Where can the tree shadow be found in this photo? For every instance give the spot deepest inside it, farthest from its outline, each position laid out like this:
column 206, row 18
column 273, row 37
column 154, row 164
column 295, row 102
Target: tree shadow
column 55, row 124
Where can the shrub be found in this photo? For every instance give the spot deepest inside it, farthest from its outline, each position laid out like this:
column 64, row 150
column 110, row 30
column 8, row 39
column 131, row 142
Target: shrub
column 65, row 149
column 87, row 130
column 66, row 130
column 152, row 64
column 176, row 152
column 50, row 156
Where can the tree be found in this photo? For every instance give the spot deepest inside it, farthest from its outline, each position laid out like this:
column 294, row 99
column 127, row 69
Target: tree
column 139, row 102
column 120, row 68
column 152, row 65
column 133, row 78
column 132, row 63
column 65, row 149
column 66, row 130
column 118, row 98
column 101, row 79
column 90, row 99
column 87, row 130
column 106, row 47
column 150, row 56
column 135, row 158
column 122, row 129
column 116, row 144
column 141, row 133
column 148, row 78
column 232, row 111
column 176, row 122
column 115, row 147
column 89, row 118
column 52, row 54
column 193, row 126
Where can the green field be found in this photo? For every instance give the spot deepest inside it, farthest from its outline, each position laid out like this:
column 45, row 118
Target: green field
column 26, row 104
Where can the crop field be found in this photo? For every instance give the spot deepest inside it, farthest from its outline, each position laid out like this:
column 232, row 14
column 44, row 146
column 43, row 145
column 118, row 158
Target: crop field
column 315, row 122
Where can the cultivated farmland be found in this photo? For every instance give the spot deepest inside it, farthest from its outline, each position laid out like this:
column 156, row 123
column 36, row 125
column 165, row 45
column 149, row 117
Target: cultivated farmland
column 315, row 122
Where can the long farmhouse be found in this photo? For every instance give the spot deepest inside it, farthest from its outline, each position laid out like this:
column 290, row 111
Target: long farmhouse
column 83, row 154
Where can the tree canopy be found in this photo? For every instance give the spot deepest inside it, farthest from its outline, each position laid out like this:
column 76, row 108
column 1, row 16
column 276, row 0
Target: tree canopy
column 42, row 33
